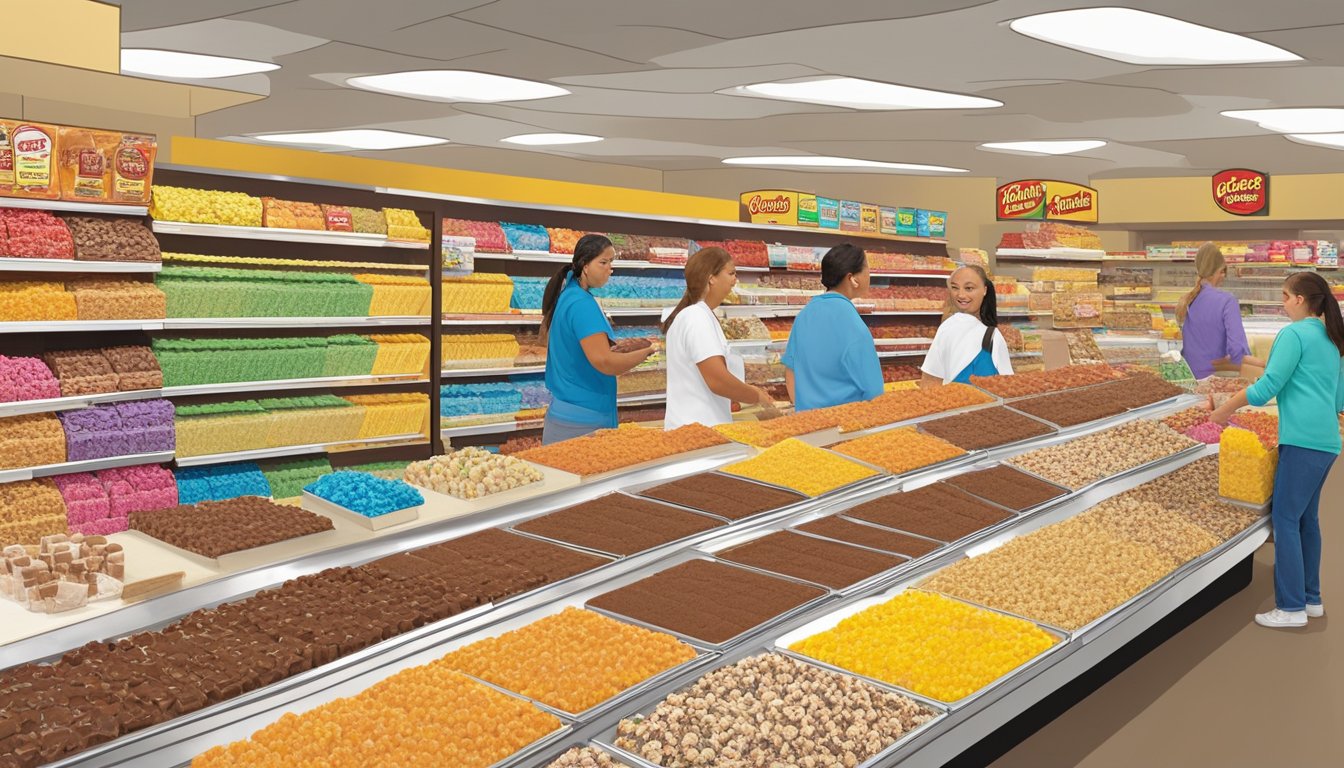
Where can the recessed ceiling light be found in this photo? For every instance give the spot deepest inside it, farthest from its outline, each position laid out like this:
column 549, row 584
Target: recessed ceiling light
column 357, row 138
column 456, row 85
column 1056, row 147
column 547, row 139
column 855, row 93
column 187, row 66
column 822, row 161
column 1332, row 140
column 1293, row 120
column 1139, row 37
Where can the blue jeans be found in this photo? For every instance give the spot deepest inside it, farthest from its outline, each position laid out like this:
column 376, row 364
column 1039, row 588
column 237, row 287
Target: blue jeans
column 1297, row 526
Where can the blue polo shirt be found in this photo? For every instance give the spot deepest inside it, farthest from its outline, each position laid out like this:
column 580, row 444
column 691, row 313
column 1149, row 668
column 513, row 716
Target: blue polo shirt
column 582, row 394
column 831, row 354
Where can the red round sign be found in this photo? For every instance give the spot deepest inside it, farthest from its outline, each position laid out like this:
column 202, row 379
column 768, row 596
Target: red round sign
column 1242, row 192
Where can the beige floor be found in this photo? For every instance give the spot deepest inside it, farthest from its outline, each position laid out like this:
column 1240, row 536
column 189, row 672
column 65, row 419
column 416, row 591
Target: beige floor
column 1224, row 692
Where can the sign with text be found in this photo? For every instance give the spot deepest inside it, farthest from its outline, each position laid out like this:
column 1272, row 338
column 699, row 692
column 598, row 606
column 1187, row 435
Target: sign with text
column 1046, row 200
column 1242, row 192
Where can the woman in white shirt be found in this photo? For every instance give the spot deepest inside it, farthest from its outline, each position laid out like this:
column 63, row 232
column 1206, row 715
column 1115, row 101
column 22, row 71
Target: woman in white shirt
column 968, row 343
column 703, row 377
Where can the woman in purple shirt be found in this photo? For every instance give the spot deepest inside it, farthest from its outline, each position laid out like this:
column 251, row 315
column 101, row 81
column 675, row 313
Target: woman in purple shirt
column 1213, row 337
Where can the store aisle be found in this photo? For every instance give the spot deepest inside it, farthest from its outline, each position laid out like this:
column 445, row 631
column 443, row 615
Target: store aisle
column 1224, row 692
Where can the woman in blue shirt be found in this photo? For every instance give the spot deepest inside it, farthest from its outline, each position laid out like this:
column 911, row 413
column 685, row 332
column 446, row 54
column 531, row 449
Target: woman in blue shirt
column 1306, row 374
column 830, row 358
column 581, row 367
column 969, row 342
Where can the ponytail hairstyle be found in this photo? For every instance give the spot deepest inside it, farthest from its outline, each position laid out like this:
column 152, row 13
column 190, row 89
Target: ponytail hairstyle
column 587, row 249
column 989, row 306
column 1208, row 261
column 1321, row 302
column 840, row 262
column 704, row 264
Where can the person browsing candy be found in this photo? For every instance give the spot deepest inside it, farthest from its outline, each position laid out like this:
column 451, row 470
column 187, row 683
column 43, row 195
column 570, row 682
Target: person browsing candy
column 1306, row 374
column 968, row 342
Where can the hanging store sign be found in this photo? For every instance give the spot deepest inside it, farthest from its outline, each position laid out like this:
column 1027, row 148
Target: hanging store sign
column 1242, row 192
column 1046, row 200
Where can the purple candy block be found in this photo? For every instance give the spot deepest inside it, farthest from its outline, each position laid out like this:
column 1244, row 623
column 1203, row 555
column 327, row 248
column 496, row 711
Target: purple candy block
column 151, row 439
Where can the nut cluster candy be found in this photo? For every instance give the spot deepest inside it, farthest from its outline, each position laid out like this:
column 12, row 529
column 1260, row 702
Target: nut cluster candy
column 1067, row 575
column 291, row 214
column 900, row 450
column 611, row 449
column 34, row 235
column 1192, row 492
column 771, row 710
column 112, row 239
column 216, row 528
column 894, row 407
column 1246, row 466
column 586, row 757
column 471, row 473
column 365, row 494
column 97, row 299
column 200, row 206
column 926, row 643
column 572, row 660
column 1154, row 524
column 30, row 509
column 370, row 221
column 61, row 572
column 427, row 715
column 82, row 371
column 1054, row 380
column 135, row 366
column 801, row 467
column 1086, row 460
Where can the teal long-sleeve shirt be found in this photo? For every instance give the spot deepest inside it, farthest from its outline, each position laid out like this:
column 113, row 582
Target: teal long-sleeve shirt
column 1306, row 374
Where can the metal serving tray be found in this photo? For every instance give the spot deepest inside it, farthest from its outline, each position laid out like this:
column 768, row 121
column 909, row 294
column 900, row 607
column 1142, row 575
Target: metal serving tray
column 722, row 521
column 714, row 548
column 686, row 556
column 639, row 488
column 702, row 658
column 607, row 739
column 830, row 620
column 1194, row 450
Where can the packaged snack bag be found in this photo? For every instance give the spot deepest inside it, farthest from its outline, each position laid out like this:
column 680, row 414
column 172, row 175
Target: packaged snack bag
column 34, row 148
column 85, row 167
column 133, row 168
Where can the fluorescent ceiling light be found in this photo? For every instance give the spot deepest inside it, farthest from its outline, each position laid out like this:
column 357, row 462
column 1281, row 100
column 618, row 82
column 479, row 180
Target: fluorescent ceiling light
column 357, row 138
column 855, row 93
column 547, row 139
column 187, row 66
column 1139, row 37
column 822, row 161
column 1056, row 147
column 456, row 85
column 1293, row 120
column 1332, row 140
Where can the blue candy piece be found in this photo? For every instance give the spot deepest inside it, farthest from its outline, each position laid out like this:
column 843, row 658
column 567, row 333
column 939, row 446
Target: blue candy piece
column 365, row 494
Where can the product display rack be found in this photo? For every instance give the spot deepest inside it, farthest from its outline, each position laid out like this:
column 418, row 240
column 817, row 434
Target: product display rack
column 177, row 741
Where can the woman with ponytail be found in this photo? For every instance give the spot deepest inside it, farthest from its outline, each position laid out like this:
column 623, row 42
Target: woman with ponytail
column 969, row 342
column 830, row 358
column 703, row 377
column 581, row 367
column 1211, row 329
column 1306, row 374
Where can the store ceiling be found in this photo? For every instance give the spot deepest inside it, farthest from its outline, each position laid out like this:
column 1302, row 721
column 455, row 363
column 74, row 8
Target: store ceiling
column 644, row 75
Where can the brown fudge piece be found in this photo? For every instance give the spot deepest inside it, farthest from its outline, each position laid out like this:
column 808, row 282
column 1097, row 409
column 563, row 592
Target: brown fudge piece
column 713, row 602
column 935, row 511
column 550, row 560
column 619, row 524
column 842, row 529
column 724, row 496
column 1007, row 487
column 217, row 528
column 818, row 561
column 986, row 428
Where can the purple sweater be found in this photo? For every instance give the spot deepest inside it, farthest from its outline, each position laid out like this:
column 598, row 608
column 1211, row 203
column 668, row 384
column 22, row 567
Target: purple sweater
column 1213, row 331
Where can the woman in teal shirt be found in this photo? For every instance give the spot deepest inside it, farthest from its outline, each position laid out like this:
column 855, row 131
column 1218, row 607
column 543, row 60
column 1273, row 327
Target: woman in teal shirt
column 1305, row 373
column 830, row 358
column 581, row 367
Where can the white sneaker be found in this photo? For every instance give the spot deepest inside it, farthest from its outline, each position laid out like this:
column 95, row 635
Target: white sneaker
column 1282, row 619
column 1315, row 611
